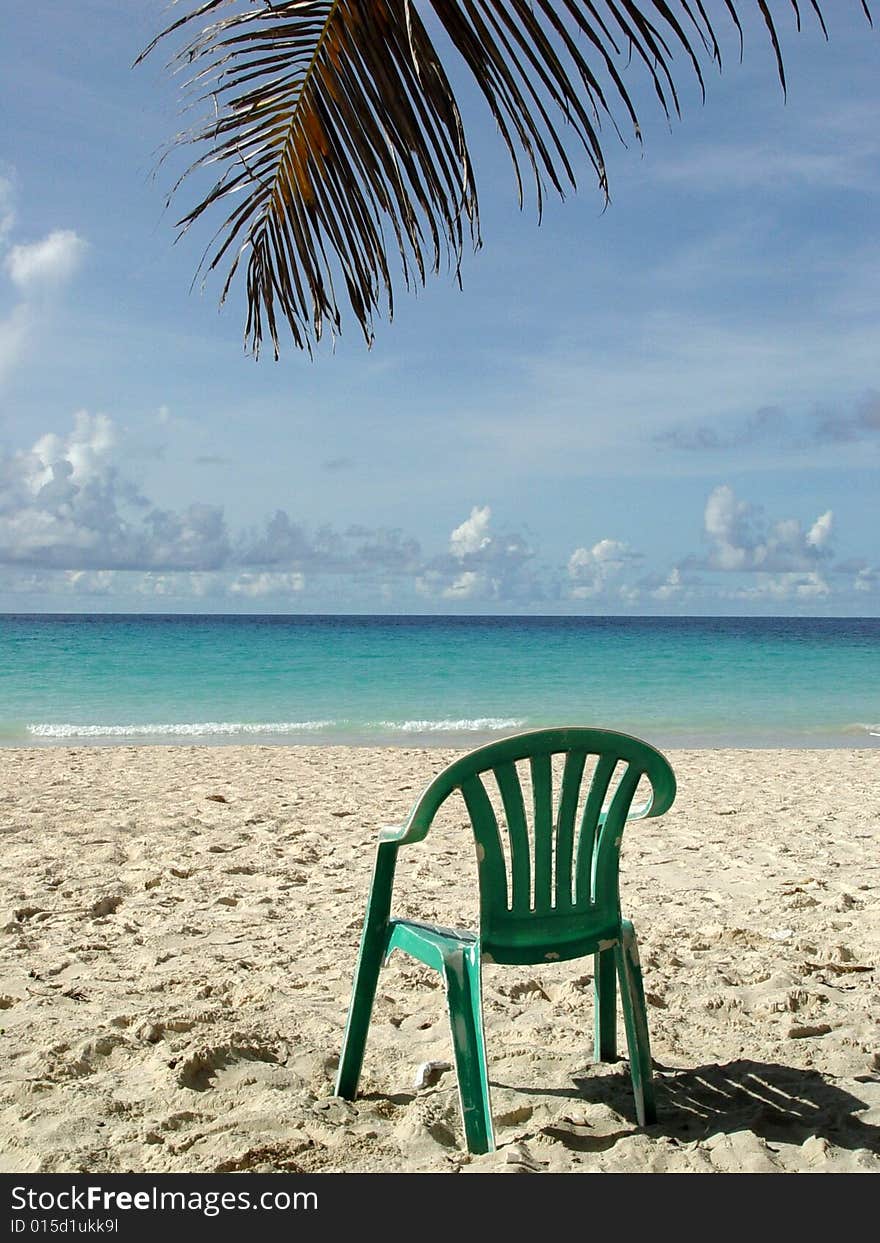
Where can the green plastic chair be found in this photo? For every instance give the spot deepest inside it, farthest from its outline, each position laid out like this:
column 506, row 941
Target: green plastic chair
column 552, row 895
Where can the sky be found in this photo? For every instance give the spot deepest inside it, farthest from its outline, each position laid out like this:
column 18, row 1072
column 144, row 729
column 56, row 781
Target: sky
column 669, row 405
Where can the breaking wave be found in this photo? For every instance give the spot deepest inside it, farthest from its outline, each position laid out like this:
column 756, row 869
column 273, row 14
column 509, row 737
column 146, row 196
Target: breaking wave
column 234, row 729
column 451, row 727
column 181, row 729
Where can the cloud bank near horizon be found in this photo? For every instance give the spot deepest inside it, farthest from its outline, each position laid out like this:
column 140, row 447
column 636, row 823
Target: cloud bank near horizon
column 73, row 521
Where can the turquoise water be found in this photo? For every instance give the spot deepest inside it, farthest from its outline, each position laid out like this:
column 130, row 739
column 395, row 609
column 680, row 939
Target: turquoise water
column 699, row 681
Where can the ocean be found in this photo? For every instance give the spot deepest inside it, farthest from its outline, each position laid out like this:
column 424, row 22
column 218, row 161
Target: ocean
column 677, row 681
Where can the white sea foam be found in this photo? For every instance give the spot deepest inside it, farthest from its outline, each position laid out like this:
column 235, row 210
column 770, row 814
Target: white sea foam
column 183, row 729
column 231, row 729
column 451, row 727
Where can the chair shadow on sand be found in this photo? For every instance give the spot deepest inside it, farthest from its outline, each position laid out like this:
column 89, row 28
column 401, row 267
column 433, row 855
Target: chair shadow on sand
column 776, row 1102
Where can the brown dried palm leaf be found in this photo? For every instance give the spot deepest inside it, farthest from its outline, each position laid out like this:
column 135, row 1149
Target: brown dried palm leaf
column 334, row 124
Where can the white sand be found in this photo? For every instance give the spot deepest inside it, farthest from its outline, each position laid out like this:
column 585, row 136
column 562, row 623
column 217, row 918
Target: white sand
column 175, row 970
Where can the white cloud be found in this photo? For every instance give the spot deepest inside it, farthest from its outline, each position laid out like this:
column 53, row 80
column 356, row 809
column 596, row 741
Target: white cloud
column 66, row 504
column 820, row 532
column 867, row 579
column 37, row 269
column 34, row 266
column 741, row 539
column 473, row 534
column 466, row 586
column 91, row 582
column 725, row 521
column 73, row 522
column 481, row 564
column 255, row 586
column 673, row 586
column 782, row 587
column 591, row 568
column 812, row 585
column 113, row 582
column 83, row 453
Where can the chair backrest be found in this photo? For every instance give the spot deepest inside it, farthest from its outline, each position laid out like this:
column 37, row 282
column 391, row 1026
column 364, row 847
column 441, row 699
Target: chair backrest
column 549, row 879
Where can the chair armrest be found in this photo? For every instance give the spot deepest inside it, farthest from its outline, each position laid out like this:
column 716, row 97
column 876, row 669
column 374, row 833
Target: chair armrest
column 392, row 833
column 400, row 834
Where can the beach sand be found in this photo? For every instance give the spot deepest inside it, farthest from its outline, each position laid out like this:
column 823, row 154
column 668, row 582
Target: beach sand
column 180, row 926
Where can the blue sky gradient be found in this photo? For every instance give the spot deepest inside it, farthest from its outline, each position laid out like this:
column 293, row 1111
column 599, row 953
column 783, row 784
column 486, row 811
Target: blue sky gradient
column 671, row 405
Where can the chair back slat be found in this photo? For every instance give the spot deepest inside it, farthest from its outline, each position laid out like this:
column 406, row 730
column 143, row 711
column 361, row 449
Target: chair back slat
column 493, row 876
column 589, row 828
column 604, row 879
column 565, row 820
column 542, row 805
column 518, row 837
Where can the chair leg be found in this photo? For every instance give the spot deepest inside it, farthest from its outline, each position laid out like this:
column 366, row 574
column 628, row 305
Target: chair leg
column 604, row 1006
column 462, row 975
column 362, row 997
column 635, row 1017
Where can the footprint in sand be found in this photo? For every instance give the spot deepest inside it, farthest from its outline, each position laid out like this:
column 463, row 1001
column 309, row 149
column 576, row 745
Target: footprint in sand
column 214, row 1066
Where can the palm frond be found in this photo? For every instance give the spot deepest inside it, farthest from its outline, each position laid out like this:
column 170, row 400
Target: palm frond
column 334, row 126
